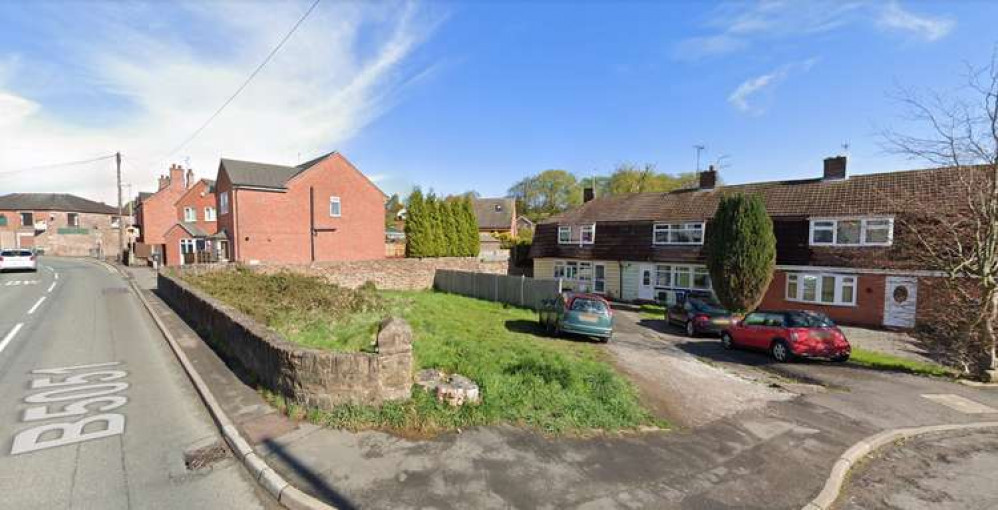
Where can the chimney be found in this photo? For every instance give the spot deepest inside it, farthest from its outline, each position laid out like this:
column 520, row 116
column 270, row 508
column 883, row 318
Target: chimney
column 835, row 168
column 587, row 194
column 163, row 182
column 190, row 178
column 176, row 176
column 708, row 178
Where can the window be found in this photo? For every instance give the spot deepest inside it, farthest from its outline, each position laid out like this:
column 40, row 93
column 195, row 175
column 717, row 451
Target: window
column 190, row 214
column 3, row 220
column 334, row 207
column 825, row 289
column 564, row 235
column 223, row 202
column 682, row 277
column 115, row 221
column 582, row 276
column 72, row 219
column 677, row 233
column 852, row 232
column 588, row 234
column 599, row 278
column 27, row 219
column 209, row 214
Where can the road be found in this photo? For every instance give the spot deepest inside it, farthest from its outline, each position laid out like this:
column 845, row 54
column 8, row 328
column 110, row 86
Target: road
column 95, row 411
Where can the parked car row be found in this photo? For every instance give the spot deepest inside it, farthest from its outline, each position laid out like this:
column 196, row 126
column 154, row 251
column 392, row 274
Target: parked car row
column 785, row 334
column 18, row 259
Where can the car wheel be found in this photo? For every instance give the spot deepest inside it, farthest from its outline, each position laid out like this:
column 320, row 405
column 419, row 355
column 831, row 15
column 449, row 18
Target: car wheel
column 691, row 330
column 780, row 351
column 727, row 342
column 841, row 358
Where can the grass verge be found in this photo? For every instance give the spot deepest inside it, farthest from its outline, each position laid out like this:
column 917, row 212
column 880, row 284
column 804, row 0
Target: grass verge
column 558, row 386
column 881, row 361
column 652, row 311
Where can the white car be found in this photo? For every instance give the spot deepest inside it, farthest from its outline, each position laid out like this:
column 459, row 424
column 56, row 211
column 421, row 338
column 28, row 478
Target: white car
column 18, row 260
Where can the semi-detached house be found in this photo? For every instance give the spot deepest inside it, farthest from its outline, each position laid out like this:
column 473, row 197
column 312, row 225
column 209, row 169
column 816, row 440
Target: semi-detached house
column 840, row 247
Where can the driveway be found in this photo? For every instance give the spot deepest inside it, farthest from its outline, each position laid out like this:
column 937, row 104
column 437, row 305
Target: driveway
column 678, row 385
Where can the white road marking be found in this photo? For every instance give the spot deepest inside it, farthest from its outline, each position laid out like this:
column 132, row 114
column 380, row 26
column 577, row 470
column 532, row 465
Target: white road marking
column 10, row 336
column 37, row 304
column 55, row 274
column 21, row 282
column 964, row 405
column 51, row 287
column 89, row 393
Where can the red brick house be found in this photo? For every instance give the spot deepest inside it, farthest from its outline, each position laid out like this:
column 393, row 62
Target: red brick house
column 194, row 236
column 59, row 224
column 322, row 210
column 156, row 213
column 838, row 250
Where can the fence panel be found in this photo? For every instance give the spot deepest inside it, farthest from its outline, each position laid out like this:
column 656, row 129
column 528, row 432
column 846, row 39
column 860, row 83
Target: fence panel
column 514, row 290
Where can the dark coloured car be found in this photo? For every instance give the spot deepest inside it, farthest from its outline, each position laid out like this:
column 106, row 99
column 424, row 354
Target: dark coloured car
column 581, row 314
column 789, row 334
column 699, row 315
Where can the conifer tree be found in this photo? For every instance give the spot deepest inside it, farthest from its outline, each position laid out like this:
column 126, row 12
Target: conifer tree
column 741, row 252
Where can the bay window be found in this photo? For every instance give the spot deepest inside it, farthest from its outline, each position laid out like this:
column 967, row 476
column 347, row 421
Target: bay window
column 852, row 232
column 821, row 288
column 677, row 233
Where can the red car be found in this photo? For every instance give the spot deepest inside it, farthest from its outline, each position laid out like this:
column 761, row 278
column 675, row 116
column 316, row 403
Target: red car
column 789, row 334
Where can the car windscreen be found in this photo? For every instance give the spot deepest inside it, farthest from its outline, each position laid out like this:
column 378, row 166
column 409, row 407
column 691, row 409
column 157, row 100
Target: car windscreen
column 809, row 320
column 707, row 305
column 589, row 306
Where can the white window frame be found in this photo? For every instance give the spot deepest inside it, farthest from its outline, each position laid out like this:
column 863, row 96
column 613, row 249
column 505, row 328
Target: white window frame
column 581, row 275
column 864, row 228
column 339, row 207
column 72, row 219
column 673, row 273
column 223, row 202
column 563, row 230
column 591, row 229
column 190, row 214
column 689, row 227
column 209, row 214
column 841, row 281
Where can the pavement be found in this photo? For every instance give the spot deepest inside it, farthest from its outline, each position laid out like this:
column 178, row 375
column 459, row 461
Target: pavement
column 769, row 444
column 95, row 412
column 934, row 472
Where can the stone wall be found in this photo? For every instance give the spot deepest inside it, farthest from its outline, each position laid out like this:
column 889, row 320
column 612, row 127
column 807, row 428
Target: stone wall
column 310, row 376
column 389, row 274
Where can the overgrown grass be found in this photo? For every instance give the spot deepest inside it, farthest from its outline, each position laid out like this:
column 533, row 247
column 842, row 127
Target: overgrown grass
column 882, row 361
column 305, row 309
column 558, row 386
column 652, row 311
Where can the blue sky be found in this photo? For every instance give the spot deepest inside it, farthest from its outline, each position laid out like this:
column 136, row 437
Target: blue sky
column 457, row 96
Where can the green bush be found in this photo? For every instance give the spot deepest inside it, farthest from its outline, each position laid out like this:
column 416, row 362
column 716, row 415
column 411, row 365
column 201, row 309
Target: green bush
column 741, row 252
column 438, row 227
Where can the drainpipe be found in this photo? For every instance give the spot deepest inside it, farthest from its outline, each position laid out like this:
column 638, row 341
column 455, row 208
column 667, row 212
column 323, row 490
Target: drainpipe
column 311, row 222
column 235, row 226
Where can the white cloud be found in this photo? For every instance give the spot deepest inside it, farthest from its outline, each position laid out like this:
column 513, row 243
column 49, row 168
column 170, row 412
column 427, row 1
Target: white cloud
column 735, row 27
column 344, row 67
column 894, row 17
column 753, row 87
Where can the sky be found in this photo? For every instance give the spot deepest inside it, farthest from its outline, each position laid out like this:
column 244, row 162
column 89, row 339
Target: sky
column 459, row 96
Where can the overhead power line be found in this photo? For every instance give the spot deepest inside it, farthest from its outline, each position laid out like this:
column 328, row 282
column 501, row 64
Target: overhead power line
column 252, row 75
column 63, row 164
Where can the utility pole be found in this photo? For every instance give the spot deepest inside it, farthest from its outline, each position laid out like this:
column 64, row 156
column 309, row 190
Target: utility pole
column 121, row 221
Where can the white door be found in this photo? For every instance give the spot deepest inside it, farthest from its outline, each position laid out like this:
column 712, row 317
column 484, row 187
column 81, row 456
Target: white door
column 900, row 301
column 646, row 282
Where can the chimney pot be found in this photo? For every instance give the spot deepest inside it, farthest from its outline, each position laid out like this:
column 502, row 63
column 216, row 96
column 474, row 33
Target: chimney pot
column 587, row 194
column 708, row 178
column 835, row 168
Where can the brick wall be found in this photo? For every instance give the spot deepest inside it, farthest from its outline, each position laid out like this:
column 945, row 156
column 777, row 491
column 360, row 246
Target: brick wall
column 159, row 212
column 199, row 197
column 390, row 274
column 93, row 232
column 312, row 377
column 868, row 311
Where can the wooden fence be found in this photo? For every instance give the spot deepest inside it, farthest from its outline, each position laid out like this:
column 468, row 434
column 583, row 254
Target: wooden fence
column 513, row 290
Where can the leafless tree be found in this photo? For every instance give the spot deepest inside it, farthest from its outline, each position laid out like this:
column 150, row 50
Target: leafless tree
column 958, row 130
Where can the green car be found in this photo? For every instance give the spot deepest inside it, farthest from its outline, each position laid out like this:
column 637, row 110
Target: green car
column 581, row 314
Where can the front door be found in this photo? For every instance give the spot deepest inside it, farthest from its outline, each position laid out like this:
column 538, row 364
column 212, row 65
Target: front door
column 646, row 282
column 900, row 301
